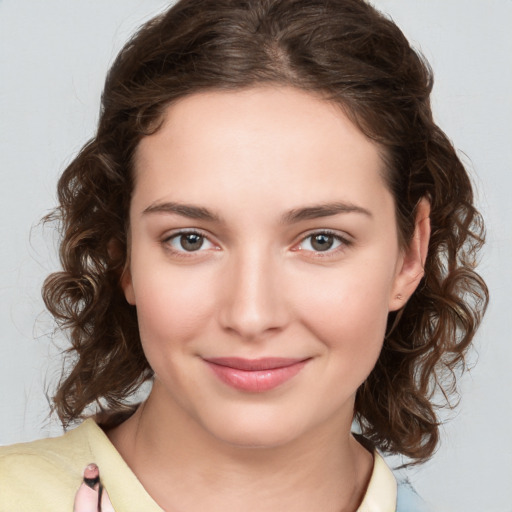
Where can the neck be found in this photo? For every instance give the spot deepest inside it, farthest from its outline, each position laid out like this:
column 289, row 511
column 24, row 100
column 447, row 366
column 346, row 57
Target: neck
column 184, row 467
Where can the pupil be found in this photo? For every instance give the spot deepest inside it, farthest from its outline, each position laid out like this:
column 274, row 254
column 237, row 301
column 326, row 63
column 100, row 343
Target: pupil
column 322, row 242
column 191, row 241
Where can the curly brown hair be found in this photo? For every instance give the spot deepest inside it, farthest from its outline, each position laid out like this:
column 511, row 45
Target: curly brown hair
column 347, row 52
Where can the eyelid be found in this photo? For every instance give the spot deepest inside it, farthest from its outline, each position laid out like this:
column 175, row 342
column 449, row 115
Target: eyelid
column 186, row 231
column 345, row 241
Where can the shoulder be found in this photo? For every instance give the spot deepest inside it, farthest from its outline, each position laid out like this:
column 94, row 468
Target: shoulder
column 44, row 475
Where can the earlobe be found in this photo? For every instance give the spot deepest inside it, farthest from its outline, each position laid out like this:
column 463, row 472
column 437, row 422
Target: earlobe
column 414, row 257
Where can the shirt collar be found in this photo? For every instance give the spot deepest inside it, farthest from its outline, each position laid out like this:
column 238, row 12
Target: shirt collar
column 382, row 490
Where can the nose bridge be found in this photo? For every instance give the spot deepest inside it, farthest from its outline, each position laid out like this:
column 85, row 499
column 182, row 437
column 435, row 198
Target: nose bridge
column 253, row 302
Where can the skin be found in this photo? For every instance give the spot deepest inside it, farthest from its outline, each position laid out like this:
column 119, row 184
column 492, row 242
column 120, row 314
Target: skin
column 87, row 498
column 259, row 287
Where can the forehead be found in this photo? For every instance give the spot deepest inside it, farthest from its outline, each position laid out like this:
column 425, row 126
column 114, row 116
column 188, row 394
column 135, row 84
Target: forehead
column 285, row 144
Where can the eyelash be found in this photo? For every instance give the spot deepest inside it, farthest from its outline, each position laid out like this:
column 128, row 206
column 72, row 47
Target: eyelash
column 166, row 242
column 344, row 243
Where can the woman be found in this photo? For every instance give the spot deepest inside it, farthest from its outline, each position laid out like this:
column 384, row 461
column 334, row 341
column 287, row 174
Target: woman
column 269, row 226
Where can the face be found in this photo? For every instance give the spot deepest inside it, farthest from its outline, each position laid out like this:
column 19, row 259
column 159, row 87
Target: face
column 264, row 261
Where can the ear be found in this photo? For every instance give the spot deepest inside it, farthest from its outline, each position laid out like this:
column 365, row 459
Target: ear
column 125, row 280
column 410, row 269
column 127, row 284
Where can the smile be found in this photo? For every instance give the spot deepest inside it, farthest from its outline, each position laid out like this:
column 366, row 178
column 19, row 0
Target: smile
column 255, row 375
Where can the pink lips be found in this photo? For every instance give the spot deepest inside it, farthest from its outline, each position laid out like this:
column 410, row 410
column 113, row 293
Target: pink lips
column 255, row 375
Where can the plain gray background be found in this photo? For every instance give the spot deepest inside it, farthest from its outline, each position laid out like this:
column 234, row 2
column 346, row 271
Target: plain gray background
column 53, row 59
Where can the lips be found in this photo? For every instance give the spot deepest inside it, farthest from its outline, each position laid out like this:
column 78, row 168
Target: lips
column 255, row 375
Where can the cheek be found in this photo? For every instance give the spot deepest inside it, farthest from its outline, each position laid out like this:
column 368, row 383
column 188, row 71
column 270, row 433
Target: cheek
column 348, row 313
column 172, row 307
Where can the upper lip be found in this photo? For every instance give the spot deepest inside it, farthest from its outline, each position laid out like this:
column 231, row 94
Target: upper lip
column 264, row 363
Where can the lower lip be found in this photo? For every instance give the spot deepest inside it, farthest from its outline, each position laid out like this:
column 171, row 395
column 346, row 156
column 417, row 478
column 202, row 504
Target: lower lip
column 256, row 381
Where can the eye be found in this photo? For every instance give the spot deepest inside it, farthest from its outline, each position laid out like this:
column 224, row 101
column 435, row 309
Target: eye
column 322, row 241
column 188, row 241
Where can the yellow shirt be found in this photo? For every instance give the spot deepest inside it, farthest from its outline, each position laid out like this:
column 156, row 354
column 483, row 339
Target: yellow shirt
column 43, row 476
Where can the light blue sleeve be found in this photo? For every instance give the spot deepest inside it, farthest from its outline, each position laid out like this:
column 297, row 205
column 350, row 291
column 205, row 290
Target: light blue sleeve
column 408, row 500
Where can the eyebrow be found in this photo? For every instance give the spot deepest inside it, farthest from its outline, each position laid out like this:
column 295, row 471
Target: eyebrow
column 322, row 210
column 295, row 215
column 185, row 210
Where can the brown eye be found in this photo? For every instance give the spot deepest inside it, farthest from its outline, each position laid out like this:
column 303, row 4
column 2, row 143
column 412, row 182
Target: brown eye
column 188, row 241
column 191, row 241
column 322, row 242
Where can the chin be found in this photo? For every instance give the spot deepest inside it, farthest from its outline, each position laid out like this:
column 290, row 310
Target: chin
column 254, row 431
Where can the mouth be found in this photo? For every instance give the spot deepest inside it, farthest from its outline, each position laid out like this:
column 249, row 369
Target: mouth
column 255, row 375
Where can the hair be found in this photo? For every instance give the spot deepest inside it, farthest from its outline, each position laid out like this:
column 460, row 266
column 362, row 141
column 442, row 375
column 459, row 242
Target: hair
column 346, row 52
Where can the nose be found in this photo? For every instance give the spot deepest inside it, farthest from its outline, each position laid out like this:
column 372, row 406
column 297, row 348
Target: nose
column 253, row 301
